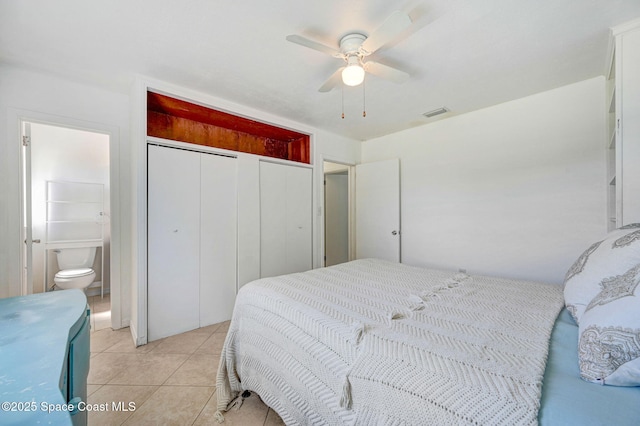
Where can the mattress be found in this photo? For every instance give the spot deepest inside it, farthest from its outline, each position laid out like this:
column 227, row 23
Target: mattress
column 349, row 345
column 568, row 400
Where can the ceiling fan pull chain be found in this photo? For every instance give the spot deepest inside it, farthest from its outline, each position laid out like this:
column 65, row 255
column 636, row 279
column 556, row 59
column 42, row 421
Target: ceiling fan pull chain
column 343, row 101
column 364, row 100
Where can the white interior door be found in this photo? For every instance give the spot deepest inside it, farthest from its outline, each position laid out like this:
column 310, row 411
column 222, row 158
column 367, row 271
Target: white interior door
column 336, row 216
column 378, row 210
column 285, row 219
column 173, row 241
column 218, row 238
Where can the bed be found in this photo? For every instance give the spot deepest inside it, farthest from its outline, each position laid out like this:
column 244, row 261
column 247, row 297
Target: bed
column 374, row 342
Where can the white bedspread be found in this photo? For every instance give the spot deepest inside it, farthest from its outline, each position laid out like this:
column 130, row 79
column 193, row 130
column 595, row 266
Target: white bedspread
column 377, row 343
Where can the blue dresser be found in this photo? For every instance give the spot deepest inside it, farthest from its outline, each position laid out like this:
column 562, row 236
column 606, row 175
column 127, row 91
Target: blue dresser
column 44, row 358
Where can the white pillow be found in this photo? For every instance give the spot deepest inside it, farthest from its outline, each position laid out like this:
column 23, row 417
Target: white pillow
column 615, row 255
column 609, row 343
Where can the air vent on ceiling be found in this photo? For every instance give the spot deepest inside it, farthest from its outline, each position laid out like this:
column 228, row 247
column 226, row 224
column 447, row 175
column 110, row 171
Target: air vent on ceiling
column 436, row 112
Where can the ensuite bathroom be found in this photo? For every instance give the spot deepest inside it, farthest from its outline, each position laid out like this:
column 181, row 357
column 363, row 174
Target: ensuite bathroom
column 66, row 219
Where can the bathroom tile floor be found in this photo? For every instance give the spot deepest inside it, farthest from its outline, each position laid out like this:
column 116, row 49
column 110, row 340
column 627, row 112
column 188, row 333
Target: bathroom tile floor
column 100, row 312
column 169, row 381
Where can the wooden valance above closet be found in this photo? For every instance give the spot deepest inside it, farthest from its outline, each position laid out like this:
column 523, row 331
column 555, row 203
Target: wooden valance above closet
column 179, row 120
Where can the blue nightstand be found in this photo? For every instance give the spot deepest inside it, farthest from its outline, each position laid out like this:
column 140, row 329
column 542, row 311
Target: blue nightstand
column 44, row 358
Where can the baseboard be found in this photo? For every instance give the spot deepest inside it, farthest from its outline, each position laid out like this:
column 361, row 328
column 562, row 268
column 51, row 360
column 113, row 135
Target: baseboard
column 134, row 334
column 137, row 340
column 95, row 291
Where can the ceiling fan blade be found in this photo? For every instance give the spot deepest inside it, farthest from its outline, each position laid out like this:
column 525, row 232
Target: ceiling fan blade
column 396, row 23
column 332, row 82
column 386, row 72
column 314, row 45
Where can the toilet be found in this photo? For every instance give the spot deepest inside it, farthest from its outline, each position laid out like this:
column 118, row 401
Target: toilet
column 75, row 267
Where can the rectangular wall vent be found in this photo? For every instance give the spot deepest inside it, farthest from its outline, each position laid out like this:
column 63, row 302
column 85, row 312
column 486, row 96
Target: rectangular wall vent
column 436, row 112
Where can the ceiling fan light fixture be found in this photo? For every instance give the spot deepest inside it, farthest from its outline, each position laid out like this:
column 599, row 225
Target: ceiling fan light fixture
column 353, row 74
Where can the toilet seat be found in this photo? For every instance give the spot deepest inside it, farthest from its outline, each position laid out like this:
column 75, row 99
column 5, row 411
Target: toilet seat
column 74, row 273
column 74, row 278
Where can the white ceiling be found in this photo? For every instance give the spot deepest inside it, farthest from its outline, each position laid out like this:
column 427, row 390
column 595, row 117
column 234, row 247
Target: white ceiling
column 462, row 54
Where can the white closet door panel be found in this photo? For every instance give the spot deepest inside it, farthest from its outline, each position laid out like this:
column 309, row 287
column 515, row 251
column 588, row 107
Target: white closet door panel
column 298, row 219
column 273, row 224
column 173, row 241
column 218, row 250
column 378, row 210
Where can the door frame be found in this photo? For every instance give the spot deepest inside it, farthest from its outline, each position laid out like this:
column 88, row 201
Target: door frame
column 351, row 205
column 18, row 117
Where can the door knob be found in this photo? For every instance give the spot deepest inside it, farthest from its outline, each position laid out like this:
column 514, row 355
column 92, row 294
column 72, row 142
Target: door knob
column 36, row 241
column 394, row 232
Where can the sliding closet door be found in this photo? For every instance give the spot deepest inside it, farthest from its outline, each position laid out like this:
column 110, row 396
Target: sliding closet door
column 273, row 223
column 173, row 241
column 285, row 219
column 299, row 216
column 218, row 222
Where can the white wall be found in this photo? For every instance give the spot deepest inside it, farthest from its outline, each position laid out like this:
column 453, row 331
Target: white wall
column 515, row 190
column 31, row 94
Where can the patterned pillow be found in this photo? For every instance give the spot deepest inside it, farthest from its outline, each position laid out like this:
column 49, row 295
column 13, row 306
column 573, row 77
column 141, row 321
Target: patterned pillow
column 609, row 345
column 603, row 260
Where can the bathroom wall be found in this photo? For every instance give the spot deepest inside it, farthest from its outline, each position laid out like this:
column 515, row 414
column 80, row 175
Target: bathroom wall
column 69, row 155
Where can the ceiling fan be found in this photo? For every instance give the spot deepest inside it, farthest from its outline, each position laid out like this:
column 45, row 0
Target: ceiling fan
column 355, row 47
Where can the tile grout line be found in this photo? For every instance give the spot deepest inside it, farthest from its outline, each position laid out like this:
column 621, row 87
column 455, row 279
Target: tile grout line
column 266, row 416
column 189, row 356
column 203, row 407
column 183, row 362
column 143, row 402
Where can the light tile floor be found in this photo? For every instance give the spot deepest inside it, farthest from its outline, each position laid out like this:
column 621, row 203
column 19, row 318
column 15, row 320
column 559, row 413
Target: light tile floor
column 169, row 381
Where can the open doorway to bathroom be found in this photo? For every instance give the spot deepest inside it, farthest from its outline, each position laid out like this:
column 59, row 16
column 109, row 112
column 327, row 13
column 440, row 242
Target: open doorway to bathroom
column 337, row 213
column 66, row 208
